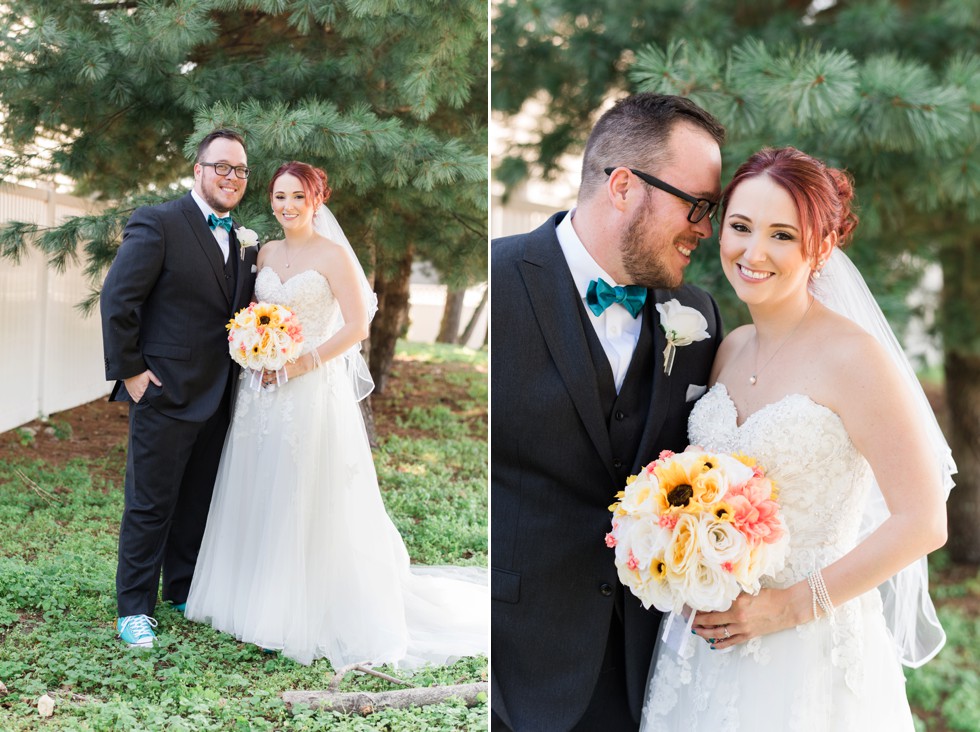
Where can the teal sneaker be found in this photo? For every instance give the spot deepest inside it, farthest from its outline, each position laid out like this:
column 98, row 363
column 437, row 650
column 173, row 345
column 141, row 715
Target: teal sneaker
column 180, row 607
column 136, row 631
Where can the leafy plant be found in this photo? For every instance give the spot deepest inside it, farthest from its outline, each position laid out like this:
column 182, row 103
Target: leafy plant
column 25, row 436
column 57, row 601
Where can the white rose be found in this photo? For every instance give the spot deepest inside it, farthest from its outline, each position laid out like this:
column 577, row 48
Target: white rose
column 736, row 471
column 709, row 589
column 648, row 540
column 639, row 495
column 721, row 542
column 246, row 237
column 683, row 325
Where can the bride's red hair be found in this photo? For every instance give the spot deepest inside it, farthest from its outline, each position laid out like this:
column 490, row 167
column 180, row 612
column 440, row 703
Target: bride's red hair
column 313, row 180
column 822, row 194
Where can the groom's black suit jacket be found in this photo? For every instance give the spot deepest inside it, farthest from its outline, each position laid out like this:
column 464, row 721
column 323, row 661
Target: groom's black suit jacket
column 165, row 303
column 554, row 472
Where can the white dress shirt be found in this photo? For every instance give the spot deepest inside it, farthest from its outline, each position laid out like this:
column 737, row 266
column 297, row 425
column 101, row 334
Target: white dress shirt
column 220, row 235
column 618, row 331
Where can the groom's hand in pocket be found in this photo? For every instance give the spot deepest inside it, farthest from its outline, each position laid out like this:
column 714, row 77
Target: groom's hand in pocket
column 137, row 385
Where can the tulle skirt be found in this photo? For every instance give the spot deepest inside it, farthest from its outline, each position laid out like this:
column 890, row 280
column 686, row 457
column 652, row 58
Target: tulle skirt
column 299, row 554
column 815, row 678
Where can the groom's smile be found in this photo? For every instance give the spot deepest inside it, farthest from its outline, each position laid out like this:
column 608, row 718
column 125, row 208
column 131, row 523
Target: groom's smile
column 221, row 192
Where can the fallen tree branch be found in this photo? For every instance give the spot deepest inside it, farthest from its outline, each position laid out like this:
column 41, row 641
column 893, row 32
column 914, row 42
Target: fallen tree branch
column 364, row 703
column 47, row 496
column 364, row 668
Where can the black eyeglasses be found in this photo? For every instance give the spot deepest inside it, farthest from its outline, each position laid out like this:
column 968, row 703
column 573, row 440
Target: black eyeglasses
column 700, row 207
column 224, row 169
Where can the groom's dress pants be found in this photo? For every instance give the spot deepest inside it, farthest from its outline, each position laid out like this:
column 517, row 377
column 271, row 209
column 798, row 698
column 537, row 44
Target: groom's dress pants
column 170, row 473
column 609, row 709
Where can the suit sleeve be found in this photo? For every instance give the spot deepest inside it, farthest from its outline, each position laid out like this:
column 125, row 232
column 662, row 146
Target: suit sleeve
column 130, row 280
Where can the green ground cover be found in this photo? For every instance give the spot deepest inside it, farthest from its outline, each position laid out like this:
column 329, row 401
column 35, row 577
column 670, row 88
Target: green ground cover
column 58, row 532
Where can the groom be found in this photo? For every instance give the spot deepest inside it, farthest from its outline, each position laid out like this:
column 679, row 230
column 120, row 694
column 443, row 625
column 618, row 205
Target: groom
column 580, row 401
column 177, row 279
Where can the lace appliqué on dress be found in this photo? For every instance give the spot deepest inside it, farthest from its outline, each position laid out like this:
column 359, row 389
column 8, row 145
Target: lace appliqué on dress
column 309, row 296
column 823, row 482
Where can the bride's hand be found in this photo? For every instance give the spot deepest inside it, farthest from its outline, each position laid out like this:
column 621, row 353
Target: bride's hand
column 751, row 616
column 292, row 369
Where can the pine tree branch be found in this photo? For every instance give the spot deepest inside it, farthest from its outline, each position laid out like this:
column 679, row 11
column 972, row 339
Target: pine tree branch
column 469, row 226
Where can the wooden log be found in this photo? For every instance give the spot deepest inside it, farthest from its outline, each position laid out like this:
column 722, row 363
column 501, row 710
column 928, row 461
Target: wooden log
column 364, row 703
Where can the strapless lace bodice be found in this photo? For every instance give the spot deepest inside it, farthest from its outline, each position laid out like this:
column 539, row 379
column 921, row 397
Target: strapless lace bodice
column 822, row 478
column 823, row 483
column 309, row 296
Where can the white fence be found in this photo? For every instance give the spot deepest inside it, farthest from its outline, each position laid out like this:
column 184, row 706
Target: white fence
column 518, row 215
column 52, row 356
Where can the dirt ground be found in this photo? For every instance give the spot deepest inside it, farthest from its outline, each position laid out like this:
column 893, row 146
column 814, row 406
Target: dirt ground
column 99, row 428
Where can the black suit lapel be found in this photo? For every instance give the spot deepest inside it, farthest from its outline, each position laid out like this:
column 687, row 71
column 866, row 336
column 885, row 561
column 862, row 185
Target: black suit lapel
column 207, row 243
column 552, row 293
column 238, row 264
column 660, row 398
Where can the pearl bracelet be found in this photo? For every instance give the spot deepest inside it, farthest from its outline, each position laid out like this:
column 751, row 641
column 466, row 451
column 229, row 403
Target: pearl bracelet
column 821, row 597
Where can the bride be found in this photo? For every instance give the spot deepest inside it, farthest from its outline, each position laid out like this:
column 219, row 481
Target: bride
column 299, row 554
column 836, row 416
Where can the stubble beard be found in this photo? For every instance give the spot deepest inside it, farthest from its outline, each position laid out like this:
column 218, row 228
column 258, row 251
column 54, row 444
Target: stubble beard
column 644, row 263
column 219, row 206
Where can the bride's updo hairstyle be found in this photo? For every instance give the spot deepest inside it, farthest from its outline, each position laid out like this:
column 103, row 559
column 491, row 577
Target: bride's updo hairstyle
column 313, row 180
column 822, row 195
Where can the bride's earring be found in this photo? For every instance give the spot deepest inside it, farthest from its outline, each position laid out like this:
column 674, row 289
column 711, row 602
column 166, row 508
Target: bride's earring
column 816, row 272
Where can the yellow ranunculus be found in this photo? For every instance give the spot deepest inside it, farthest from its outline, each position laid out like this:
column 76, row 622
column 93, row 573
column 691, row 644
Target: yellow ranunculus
column 709, row 486
column 682, row 548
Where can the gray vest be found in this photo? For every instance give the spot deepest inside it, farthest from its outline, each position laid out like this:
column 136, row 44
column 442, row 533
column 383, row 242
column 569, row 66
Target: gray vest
column 625, row 413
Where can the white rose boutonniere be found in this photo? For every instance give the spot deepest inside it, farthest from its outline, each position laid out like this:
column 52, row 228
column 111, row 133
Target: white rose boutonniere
column 246, row 238
column 683, row 326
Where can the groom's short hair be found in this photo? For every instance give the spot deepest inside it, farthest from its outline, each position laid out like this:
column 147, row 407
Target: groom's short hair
column 226, row 134
column 635, row 133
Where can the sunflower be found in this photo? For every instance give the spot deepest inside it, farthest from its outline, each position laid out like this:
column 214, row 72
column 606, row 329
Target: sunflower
column 723, row 511
column 677, row 478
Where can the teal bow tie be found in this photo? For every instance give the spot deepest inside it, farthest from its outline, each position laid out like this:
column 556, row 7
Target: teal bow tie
column 601, row 295
column 223, row 221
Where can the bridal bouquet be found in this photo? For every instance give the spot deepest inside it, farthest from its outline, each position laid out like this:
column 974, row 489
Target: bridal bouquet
column 697, row 528
column 264, row 336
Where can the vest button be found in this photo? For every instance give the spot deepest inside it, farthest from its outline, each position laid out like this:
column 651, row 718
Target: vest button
column 605, row 589
column 617, row 464
column 620, row 416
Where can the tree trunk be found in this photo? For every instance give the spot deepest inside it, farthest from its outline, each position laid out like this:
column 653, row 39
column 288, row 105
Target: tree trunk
column 475, row 318
column 963, row 398
column 391, row 321
column 370, row 254
column 960, row 305
column 452, row 316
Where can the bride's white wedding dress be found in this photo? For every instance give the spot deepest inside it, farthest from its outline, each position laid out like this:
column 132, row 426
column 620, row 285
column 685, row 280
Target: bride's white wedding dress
column 818, row 677
column 299, row 554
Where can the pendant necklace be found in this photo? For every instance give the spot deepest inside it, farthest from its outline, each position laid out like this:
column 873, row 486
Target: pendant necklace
column 754, row 378
column 285, row 251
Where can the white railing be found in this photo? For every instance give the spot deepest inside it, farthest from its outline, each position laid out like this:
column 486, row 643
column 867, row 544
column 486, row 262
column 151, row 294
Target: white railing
column 51, row 355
